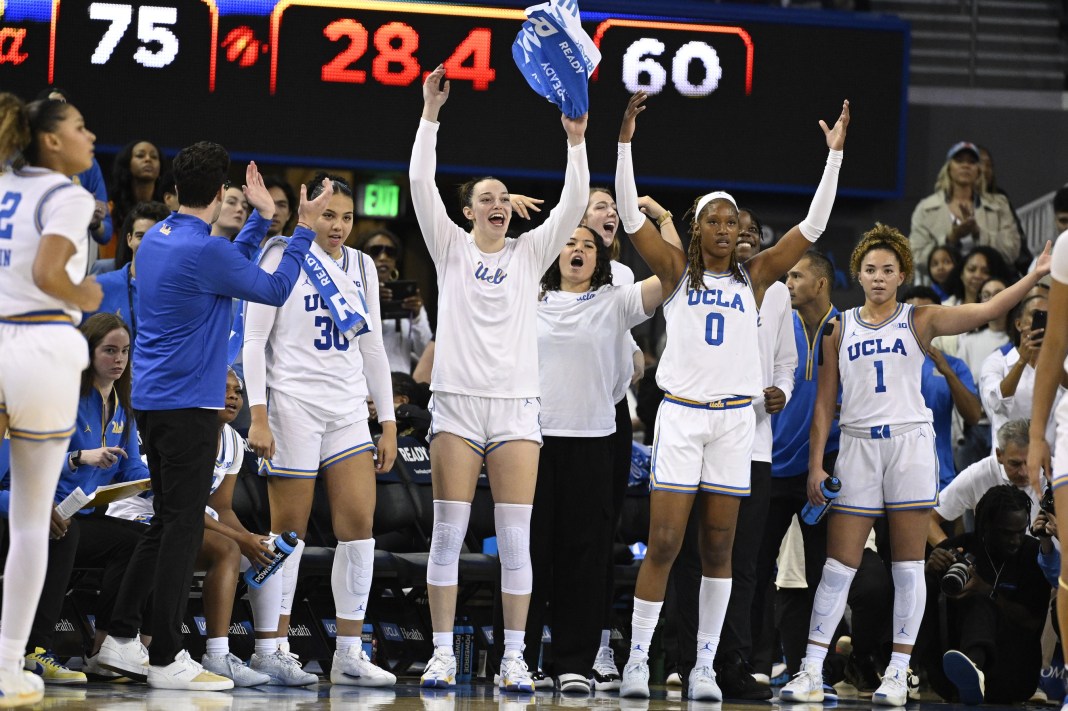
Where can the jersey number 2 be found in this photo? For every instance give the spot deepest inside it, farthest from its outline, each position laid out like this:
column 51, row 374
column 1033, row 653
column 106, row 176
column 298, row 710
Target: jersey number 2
column 880, row 386
column 8, row 205
column 714, row 329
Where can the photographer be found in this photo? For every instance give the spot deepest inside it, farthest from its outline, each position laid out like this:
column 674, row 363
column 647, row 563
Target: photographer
column 996, row 599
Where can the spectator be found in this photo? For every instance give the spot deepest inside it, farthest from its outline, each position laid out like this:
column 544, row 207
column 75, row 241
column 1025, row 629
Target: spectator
column 189, row 282
column 962, row 212
column 232, row 214
column 947, row 386
column 941, row 268
column 134, row 178
column 986, row 161
column 982, row 263
column 405, row 325
column 1060, row 210
column 1005, row 466
column 284, row 202
column 994, row 624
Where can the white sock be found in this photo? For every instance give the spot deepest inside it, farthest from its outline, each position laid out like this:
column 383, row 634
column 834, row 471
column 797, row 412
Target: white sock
column 513, row 643
column 715, row 594
column 900, row 660
column 642, row 625
column 443, row 641
column 606, row 638
column 266, row 646
column 217, row 646
column 815, row 654
column 283, row 644
column 345, row 643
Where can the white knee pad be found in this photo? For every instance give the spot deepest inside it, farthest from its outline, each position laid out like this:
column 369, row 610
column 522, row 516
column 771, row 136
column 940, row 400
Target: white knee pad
column 350, row 577
column 910, row 599
column 512, row 522
column 450, row 527
column 266, row 601
column 829, row 603
column 289, row 577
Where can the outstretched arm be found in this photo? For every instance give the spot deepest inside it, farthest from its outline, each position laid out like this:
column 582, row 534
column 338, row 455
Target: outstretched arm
column 666, row 261
column 771, row 264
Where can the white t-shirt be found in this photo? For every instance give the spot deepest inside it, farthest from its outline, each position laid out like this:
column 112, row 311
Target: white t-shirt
column 405, row 339
column 577, row 334
column 964, row 492
column 623, row 363
column 487, row 342
column 35, row 202
column 778, row 360
column 1018, row 406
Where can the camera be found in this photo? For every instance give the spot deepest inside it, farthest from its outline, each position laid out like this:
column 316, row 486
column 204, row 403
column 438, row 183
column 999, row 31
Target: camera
column 1046, row 503
column 958, row 575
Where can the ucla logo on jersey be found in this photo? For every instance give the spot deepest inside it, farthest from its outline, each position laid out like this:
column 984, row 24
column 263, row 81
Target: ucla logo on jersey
column 587, row 296
column 714, row 297
column 875, row 346
column 118, row 427
column 482, row 273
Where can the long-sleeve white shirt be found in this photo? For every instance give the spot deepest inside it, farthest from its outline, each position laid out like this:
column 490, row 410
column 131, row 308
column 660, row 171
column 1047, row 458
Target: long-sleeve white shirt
column 1016, row 406
column 778, row 360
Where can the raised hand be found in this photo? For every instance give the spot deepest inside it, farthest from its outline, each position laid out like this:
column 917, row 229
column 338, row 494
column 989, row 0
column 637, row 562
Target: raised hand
column 1042, row 264
column 523, row 205
column 836, row 136
column 630, row 117
column 575, row 127
column 310, row 210
column 435, row 94
column 256, row 192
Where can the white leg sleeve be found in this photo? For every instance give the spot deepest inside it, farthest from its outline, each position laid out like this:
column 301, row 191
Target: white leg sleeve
column 910, row 600
column 830, row 600
column 289, row 577
column 266, row 600
column 512, row 522
column 35, row 468
column 350, row 578
column 450, row 527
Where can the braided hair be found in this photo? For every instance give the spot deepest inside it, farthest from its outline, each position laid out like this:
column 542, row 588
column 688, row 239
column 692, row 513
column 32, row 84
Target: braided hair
column 998, row 500
column 695, row 261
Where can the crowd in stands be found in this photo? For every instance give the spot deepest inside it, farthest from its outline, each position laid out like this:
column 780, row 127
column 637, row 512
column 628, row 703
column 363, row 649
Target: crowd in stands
column 223, row 330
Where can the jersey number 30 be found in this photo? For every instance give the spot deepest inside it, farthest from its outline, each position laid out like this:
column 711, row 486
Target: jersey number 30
column 330, row 337
column 8, row 205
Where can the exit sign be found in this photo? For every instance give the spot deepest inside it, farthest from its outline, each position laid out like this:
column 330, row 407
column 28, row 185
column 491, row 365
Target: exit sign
column 380, row 199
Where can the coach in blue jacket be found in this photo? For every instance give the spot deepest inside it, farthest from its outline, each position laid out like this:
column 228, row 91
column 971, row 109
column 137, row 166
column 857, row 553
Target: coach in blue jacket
column 187, row 279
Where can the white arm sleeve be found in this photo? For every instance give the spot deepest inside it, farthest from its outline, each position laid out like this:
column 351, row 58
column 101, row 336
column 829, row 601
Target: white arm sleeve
column 420, row 332
column 259, row 322
column 626, row 190
column 430, row 212
column 549, row 238
column 785, row 354
column 819, row 212
column 375, row 363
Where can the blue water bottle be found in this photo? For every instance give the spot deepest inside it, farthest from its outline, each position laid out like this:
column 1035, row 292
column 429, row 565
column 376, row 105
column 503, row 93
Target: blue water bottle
column 284, row 544
column 830, row 487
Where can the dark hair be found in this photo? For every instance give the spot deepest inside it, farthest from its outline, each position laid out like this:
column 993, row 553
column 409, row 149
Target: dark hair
column 695, row 266
column 952, row 283
column 121, row 190
column 155, row 211
column 1004, row 498
column 882, row 237
column 274, row 181
column 315, row 185
column 166, row 184
column 1017, row 311
column 820, row 264
column 995, row 266
column 40, row 117
column 757, row 223
column 465, row 191
column 921, row 292
column 95, row 328
column 1060, row 200
column 49, row 90
column 602, row 271
column 404, row 385
column 199, row 171
column 367, row 236
column 14, row 127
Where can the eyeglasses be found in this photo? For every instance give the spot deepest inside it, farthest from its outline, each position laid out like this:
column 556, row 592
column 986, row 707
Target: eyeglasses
column 378, row 250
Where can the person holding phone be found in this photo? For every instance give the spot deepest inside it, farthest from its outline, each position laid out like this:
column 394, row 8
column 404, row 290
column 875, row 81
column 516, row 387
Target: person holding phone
column 406, row 327
column 1007, row 382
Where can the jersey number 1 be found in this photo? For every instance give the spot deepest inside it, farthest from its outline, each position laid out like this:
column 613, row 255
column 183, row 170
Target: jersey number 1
column 880, row 386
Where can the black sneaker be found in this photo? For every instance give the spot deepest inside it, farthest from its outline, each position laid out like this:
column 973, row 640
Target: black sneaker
column 738, row 684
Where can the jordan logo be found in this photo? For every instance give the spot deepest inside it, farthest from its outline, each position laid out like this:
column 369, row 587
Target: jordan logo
column 707, row 647
column 818, row 628
column 637, row 648
column 901, row 632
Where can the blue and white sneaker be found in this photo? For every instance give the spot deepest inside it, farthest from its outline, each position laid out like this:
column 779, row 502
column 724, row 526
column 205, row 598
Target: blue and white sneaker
column 440, row 671
column 514, row 674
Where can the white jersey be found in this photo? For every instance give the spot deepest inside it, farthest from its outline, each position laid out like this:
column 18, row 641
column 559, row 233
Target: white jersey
column 622, row 361
column 228, row 460
column 1059, row 266
column 36, row 202
column 487, row 342
column 880, row 367
column 298, row 350
column 778, row 359
column 711, row 351
column 577, row 335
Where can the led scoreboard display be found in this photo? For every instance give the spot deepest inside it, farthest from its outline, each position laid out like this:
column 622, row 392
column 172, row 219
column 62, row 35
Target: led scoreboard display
column 737, row 91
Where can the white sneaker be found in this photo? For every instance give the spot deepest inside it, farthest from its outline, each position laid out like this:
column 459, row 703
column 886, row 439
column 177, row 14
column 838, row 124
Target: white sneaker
column 440, row 671
column 184, row 673
column 232, row 668
column 130, row 659
column 355, row 668
column 91, row 667
column 968, row 678
column 283, row 669
column 674, row 680
column 605, row 672
column 806, row 686
column 575, row 684
column 514, row 674
column 20, row 688
column 635, row 684
column 894, row 691
column 540, row 680
column 703, row 686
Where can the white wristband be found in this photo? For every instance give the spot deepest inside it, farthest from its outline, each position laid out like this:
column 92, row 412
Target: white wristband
column 626, row 190
column 819, row 212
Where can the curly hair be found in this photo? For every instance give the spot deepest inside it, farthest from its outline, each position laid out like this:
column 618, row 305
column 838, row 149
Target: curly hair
column 14, row 127
column 1004, row 498
column 695, row 261
column 602, row 271
column 882, row 237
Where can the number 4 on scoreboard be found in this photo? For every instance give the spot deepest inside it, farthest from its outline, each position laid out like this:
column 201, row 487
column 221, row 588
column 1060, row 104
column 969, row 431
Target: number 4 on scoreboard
column 476, row 48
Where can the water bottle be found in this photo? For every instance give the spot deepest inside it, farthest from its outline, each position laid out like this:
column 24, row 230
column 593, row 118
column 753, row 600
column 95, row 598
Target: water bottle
column 282, row 546
column 467, row 637
column 830, row 487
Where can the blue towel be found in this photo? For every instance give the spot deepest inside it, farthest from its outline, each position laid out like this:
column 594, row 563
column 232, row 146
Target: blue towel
column 556, row 56
column 345, row 301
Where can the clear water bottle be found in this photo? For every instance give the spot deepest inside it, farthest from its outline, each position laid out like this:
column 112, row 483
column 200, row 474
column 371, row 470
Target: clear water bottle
column 284, row 544
column 830, row 487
